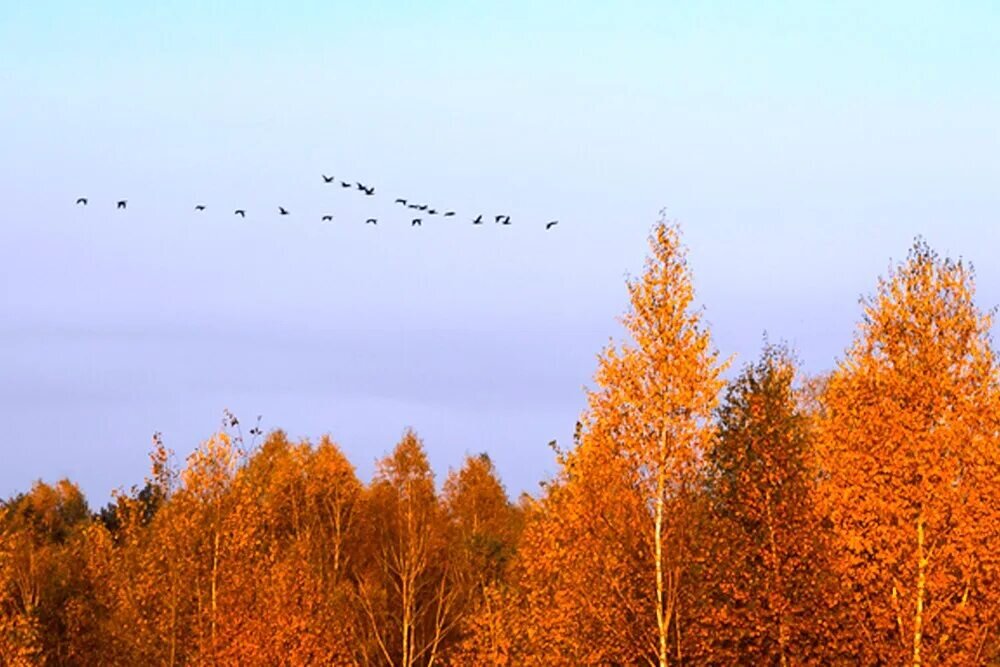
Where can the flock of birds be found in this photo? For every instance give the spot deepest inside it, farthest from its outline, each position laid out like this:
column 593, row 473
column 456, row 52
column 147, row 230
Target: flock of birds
column 369, row 191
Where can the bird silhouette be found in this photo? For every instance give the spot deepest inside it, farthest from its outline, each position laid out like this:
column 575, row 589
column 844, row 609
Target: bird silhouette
column 478, row 220
column 423, row 207
column 328, row 179
column 371, row 221
column 413, row 206
column 497, row 218
column 361, row 186
column 240, row 212
column 345, row 184
column 448, row 214
column 432, row 212
column 416, row 223
column 327, row 217
column 401, row 201
column 199, row 207
column 506, row 220
column 369, row 190
column 282, row 211
column 82, row 200
column 550, row 225
column 123, row 203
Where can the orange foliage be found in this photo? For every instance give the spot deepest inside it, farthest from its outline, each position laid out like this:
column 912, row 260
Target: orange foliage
column 852, row 520
column 911, row 472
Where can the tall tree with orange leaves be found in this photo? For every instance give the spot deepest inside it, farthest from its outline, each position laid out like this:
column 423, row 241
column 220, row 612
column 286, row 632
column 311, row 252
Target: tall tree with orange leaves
column 404, row 590
column 911, row 473
column 484, row 527
column 605, row 562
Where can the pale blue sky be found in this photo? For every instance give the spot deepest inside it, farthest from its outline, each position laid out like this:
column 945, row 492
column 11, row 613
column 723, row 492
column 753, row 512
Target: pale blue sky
column 801, row 147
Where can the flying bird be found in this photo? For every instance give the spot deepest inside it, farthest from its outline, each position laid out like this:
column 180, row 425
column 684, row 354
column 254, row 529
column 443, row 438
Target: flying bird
column 506, row 220
column 328, row 179
column 478, row 220
column 199, row 207
column 327, row 217
column 550, row 225
column 449, row 213
column 371, row 221
column 423, row 207
column 82, row 200
column 369, row 190
column 413, row 206
column 401, row 201
column 432, row 212
column 123, row 203
column 361, row 186
column 240, row 212
column 416, row 222
column 345, row 184
column 282, row 211
column 497, row 218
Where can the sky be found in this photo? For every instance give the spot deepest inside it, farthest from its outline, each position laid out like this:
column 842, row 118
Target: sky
column 801, row 147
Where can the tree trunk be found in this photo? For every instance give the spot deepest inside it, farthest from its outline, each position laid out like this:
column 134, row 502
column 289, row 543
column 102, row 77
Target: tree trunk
column 214, row 584
column 918, row 618
column 662, row 619
column 776, row 585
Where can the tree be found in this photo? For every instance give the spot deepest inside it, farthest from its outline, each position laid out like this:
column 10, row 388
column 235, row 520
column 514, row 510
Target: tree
column 910, row 471
column 484, row 523
column 405, row 593
column 605, row 559
column 767, row 590
column 483, row 540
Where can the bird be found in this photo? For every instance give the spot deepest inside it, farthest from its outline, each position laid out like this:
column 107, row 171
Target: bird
column 478, row 220
column 432, row 212
column 240, row 212
column 327, row 217
column 497, row 218
column 413, row 206
column 416, row 222
column 371, row 221
column 369, row 190
column 401, row 201
column 449, row 213
column 328, row 179
column 199, row 207
column 282, row 211
column 123, row 203
column 423, row 207
column 550, row 225
column 506, row 220
column 82, row 200
column 361, row 186
column 345, row 184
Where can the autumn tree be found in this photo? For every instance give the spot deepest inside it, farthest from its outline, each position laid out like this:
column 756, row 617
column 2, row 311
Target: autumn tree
column 911, row 472
column 768, row 594
column 605, row 561
column 484, row 528
column 43, row 590
column 406, row 593
column 300, row 504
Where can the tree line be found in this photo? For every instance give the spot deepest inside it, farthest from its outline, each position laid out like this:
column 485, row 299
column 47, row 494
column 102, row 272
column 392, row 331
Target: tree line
column 774, row 519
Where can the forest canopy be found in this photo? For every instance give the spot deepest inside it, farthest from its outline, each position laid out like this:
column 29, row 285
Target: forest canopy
column 772, row 519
